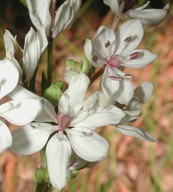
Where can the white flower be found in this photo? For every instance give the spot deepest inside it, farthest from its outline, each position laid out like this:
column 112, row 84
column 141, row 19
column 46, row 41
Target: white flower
column 112, row 91
column 35, row 44
column 116, row 49
column 148, row 17
column 133, row 111
column 54, row 21
column 66, row 131
column 18, row 111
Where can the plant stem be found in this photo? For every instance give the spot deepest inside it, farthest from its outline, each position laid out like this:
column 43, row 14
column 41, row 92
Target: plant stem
column 49, row 61
column 97, row 75
column 42, row 187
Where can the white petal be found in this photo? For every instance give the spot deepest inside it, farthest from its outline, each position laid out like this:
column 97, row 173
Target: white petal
column 87, row 144
column 80, row 117
column 130, row 116
column 21, row 93
column 78, row 164
column 141, row 95
column 48, row 113
column 109, row 86
column 149, row 17
column 10, row 43
column 5, row 137
column 21, row 112
column 104, row 43
column 143, row 6
column 75, row 4
column 145, row 57
column 125, row 92
column 136, row 132
column 125, row 31
column 75, row 94
column 35, row 43
column 63, row 18
column 58, row 152
column 9, row 77
column 144, row 91
column 88, row 50
column 115, row 6
column 39, row 13
column 102, row 117
column 31, row 138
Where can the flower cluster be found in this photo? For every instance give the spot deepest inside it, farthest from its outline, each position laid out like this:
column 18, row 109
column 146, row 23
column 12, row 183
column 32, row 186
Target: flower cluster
column 62, row 121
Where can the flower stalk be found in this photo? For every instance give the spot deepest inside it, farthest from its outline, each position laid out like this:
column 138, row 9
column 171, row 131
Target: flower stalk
column 49, row 61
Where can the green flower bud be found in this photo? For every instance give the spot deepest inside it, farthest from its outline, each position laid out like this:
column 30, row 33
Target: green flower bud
column 54, row 92
column 75, row 67
column 41, row 175
column 83, row 66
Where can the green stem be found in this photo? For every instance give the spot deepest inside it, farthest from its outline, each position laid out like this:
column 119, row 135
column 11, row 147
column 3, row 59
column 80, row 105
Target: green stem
column 42, row 187
column 49, row 61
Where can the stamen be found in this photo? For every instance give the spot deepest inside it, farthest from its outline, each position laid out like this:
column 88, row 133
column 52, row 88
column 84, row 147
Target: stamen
column 107, row 44
column 94, row 58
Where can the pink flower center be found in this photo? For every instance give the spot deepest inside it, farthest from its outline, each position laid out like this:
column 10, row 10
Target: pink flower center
column 63, row 121
column 113, row 62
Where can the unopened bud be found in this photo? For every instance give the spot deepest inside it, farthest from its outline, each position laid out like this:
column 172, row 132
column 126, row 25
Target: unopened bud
column 54, row 92
column 41, row 175
column 75, row 67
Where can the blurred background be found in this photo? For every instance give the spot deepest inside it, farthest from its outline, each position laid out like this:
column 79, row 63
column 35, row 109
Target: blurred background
column 132, row 165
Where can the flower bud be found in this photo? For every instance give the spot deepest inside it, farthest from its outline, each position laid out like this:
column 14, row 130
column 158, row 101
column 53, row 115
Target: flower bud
column 75, row 67
column 54, row 92
column 41, row 175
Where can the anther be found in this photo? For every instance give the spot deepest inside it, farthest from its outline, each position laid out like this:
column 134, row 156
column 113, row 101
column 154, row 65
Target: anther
column 85, row 134
column 128, row 39
column 107, row 44
column 33, row 126
column 94, row 58
column 134, row 55
column 115, row 78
